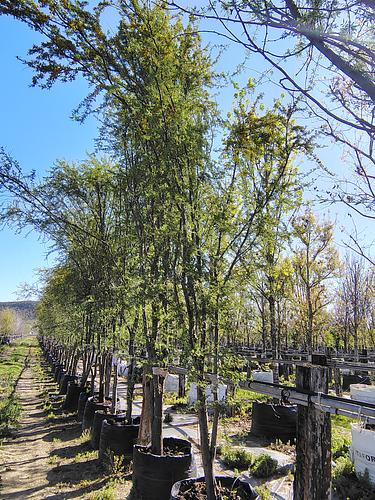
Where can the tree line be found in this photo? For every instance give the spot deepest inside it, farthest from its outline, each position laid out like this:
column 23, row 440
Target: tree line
column 189, row 231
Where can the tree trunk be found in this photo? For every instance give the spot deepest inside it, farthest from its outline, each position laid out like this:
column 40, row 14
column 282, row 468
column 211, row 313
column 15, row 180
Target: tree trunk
column 157, row 420
column 144, row 436
column 207, row 461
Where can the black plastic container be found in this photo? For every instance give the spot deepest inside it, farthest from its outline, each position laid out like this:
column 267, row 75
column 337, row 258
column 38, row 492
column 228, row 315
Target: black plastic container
column 154, row 475
column 274, row 421
column 117, row 437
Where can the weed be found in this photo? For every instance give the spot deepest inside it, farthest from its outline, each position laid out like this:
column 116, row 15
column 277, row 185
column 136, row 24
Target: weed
column 107, row 493
column 84, row 437
column 86, row 455
column 263, row 492
column 236, row 458
column 54, row 460
column 118, row 467
column 168, row 418
column 264, row 466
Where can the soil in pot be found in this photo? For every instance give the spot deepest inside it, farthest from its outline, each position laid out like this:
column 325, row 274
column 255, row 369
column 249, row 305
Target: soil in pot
column 228, row 488
column 117, row 438
column 154, row 475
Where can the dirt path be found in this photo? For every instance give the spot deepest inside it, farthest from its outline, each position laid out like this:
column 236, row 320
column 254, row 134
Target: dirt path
column 48, row 458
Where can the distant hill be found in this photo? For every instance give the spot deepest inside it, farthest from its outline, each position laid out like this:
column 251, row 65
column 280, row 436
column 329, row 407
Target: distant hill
column 25, row 307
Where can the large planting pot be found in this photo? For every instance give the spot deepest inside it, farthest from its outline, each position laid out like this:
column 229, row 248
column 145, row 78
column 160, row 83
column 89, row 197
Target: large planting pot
column 117, row 437
column 274, row 421
column 228, row 482
column 154, row 475
column 99, row 417
column 82, row 400
column 60, row 375
column 363, row 392
column 64, row 380
column 92, row 405
column 57, row 367
column 362, row 451
column 348, row 380
column 72, row 396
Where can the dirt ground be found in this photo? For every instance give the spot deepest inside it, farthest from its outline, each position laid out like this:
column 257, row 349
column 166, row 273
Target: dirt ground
column 47, row 458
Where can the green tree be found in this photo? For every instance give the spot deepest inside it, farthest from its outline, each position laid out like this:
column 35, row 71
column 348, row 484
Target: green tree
column 315, row 261
column 7, row 322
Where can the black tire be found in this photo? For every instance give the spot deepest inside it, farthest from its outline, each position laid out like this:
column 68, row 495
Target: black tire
column 274, row 421
column 154, row 475
column 247, row 490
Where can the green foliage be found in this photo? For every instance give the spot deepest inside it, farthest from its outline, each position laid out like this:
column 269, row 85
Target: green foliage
column 241, row 402
column 346, row 484
column 236, row 458
column 168, row 418
column 10, row 411
column 341, row 437
column 264, row 466
column 263, row 492
column 11, row 366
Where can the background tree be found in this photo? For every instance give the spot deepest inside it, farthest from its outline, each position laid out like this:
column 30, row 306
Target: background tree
column 315, row 261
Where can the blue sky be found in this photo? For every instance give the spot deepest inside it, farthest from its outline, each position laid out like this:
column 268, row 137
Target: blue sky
column 36, row 129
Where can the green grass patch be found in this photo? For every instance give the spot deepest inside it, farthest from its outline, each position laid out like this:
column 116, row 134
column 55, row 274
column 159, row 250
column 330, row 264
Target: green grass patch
column 11, row 366
column 341, row 436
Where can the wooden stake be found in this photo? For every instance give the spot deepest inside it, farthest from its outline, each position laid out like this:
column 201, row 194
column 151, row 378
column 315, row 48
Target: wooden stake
column 312, row 480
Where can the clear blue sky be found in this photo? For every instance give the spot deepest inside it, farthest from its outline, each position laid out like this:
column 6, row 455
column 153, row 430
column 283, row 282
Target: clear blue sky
column 36, row 129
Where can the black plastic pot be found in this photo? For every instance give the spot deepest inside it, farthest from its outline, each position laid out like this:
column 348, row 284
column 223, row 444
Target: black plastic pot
column 274, row 421
column 92, row 405
column 60, row 375
column 72, row 396
column 99, row 417
column 154, row 475
column 82, row 400
column 229, row 482
column 57, row 367
column 64, row 380
column 347, row 380
column 117, row 437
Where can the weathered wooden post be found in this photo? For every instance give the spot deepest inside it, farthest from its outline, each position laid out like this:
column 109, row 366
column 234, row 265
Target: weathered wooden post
column 181, row 385
column 312, row 480
column 337, row 378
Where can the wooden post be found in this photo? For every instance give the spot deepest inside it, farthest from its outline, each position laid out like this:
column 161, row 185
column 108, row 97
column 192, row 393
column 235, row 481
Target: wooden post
column 181, row 385
column 337, row 378
column 312, row 480
column 159, row 376
column 114, row 388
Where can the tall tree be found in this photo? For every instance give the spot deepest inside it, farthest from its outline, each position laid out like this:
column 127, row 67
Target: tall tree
column 315, row 261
